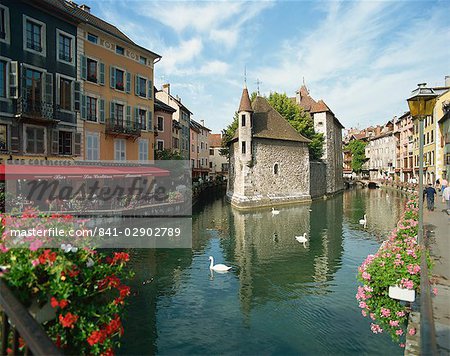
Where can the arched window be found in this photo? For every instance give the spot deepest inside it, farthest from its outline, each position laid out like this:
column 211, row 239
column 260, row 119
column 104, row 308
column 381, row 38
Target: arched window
column 275, row 168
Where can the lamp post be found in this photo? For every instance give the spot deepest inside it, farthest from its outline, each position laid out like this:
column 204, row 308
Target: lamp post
column 421, row 105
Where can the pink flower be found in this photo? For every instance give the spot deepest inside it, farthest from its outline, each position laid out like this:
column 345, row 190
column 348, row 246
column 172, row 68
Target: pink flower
column 35, row 262
column 399, row 332
column 435, row 291
column 362, row 305
column 393, row 323
column 372, row 316
column 401, row 345
column 385, row 312
column 376, row 328
column 412, row 331
column 400, row 313
column 364, row 313
column 406, row 283
column 413, row 269
column 366, row 276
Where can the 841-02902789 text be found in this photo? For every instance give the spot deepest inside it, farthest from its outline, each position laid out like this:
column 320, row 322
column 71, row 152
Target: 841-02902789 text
column 137, row 232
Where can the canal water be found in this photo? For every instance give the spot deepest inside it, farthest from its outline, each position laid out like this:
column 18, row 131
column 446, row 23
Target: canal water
column 279, row 297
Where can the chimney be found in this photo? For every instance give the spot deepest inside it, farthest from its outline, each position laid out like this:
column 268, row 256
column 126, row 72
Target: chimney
column 86, row 8
column 166, row 88
column 447, row 80
column 202, row 122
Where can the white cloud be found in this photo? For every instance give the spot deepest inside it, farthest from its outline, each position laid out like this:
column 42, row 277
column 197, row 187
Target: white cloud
column 217, row 68
column 175, row 57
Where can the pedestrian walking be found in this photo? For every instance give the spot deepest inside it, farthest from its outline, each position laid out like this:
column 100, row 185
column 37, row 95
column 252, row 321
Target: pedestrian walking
column 446, row 197
column 444, row 184
column 430, row 192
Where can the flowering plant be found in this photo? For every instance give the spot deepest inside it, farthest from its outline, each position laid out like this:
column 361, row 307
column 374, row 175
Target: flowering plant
column 397, row 262
column 82, row 285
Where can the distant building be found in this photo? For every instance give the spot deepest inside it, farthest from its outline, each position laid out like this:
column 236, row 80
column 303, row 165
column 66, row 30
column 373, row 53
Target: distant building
column 163, row 126
column 218, row 164
column 199, row 149
column 403, row 132
column 441, row 114
column 269, row 159
column 381, row 153
column 182, row 115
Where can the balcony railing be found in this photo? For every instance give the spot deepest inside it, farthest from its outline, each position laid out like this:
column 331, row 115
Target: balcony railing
column 37, row 109
column 123, row 127
column 17, row 323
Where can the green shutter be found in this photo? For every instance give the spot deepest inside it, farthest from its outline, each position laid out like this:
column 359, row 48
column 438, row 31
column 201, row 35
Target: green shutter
column 102, row 73
column 111, row 110
column 102, row 110
column 128, row 76
column 77, row 96
column 83, row 107
column 136, row 116
column 136, row 85
column 14, row 79
column 83, row 61
column 55, row 142
column 150, row 89
column 112, row 76
column 129, row 116
column 150, row 120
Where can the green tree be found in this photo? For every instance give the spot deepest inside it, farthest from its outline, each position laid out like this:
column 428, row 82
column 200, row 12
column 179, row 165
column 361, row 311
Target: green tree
column 358, row 150
column 166, row 155
column 300, row 120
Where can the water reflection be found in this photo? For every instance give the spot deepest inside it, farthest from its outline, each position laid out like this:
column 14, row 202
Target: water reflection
column 278, row 298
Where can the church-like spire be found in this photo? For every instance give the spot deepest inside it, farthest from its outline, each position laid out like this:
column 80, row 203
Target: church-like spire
column 245, row 104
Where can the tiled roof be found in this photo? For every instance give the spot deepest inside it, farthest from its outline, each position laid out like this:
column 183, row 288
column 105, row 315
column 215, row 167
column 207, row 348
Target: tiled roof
column 306, row 101
column 78, row 14
column 199, row 125
column 245, row 104
column 268, row 123
column 160, row 106
column 215, row 140
column 320, row 106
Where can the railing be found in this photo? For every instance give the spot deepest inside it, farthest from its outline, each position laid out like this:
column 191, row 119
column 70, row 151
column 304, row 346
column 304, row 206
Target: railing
column 17, row 323
column 35, row 108
column 121, row 127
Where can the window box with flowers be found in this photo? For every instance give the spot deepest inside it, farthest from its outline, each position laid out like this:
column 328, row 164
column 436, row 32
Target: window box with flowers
column 81, row 290
column 119, row 86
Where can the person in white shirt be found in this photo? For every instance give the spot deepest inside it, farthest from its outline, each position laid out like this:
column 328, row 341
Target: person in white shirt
column 446, row 197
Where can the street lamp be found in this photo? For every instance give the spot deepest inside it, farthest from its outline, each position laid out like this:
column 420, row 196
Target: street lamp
column 421, row 105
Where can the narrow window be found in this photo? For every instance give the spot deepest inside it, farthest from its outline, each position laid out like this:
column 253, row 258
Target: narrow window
column 91, row 70
column 3, row 141
column 91, row 104
column 65, row 143
column 65, row 48
column 243, row 119
column 243, row 147
column 275, row 168
column 119, row 79
column 65, row 94
column 34, row 36
column 2, row 79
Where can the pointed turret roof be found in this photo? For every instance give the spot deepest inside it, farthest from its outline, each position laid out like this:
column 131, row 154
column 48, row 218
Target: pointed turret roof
column 306, row 101
column 245, row 104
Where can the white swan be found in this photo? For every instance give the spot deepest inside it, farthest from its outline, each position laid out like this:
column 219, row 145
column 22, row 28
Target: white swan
column 219, row 267
column 302, row 239
column 275, row 212
column 363, row 221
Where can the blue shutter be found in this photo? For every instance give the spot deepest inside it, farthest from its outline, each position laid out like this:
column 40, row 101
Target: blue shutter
column 102, row 110
column 150, row 89
column 128, row 88
column 136, row 117
column 112, row 76
column 77, row 101
column 83, row 107
column 102, row 73
column 83, row 65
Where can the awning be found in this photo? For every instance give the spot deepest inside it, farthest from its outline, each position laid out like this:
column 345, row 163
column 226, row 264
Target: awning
column 11, row 172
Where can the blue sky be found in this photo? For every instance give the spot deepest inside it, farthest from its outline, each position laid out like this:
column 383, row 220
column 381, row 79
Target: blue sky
column 362, row 58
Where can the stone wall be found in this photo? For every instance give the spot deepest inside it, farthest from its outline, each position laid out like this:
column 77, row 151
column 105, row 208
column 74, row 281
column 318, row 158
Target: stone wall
column 259, row 183
column 318, row 179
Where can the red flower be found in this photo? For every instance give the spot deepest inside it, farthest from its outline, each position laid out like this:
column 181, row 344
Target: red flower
column 109, row 281
column 74, row 272
column 120, row 256
column 47, row 255
column 108, row 352
column 63, row 303
column 124, row 291
column 97, row 336
column 69, row 320
column 54, row 302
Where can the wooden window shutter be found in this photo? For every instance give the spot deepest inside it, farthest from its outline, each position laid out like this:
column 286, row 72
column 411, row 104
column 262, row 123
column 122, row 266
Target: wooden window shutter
column 49, row 88
column 136, row 85
column 13, row 79
column 129, row 124
column 83, row 65
column 128, row 88
column 77, row 144
column 15, row 138
column 77, row 100
column 111, row 110
column 112, row 76
column 102, row 73
column 150, row 89
column 55, row 142
column 150, row 120
column 83, row 107
column 102, row 109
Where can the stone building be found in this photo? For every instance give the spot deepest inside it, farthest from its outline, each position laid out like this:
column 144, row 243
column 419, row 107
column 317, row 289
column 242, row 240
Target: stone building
column 218, row 163
column 325, row 122
column 381, row 152
column 269, row 160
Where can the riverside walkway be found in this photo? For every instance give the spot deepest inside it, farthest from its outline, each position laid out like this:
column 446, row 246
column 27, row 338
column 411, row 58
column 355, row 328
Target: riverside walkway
column 437, row 228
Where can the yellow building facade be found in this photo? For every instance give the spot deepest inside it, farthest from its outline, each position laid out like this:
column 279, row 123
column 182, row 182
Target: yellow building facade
column 116, row 118
column 439, row 111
